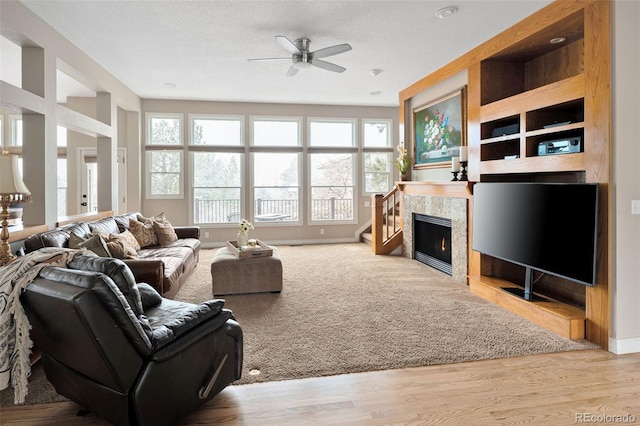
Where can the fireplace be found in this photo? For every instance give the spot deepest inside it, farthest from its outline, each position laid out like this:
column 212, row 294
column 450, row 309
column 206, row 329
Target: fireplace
column 432, row 241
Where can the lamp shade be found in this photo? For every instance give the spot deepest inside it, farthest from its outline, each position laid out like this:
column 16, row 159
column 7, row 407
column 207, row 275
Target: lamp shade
column 10, row 179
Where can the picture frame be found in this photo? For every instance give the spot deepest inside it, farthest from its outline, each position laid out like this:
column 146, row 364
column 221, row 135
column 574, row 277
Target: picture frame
column 440, row 129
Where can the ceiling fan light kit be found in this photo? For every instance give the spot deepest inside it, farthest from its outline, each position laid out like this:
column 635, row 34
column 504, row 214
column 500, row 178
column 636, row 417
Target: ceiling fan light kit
column 302, row 58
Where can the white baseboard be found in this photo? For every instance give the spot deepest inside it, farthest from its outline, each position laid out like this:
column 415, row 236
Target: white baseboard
column 624, row 346
column 216, row 244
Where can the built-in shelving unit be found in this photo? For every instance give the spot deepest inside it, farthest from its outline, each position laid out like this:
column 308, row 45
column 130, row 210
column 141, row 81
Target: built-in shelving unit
column 524, row 90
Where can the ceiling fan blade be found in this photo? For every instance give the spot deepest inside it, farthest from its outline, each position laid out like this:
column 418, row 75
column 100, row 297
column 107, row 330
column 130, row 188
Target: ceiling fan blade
column 292, row 71
column 288, row 44
column 332, row 50
column 327, row 65
column 268, row 59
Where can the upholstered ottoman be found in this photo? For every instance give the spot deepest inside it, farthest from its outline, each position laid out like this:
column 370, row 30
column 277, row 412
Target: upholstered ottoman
column 230, row 275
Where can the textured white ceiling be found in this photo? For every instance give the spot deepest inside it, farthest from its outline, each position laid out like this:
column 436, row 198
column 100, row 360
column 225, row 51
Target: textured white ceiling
column 202, row 47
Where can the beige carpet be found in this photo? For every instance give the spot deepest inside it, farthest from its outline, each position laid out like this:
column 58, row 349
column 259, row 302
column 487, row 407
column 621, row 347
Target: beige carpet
column 345, row 310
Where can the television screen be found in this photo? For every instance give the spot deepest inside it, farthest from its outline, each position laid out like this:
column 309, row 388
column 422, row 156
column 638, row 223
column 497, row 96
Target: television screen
column 548, row 227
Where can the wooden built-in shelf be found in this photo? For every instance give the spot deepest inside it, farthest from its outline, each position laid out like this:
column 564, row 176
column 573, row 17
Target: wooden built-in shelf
column 565, row 320
column 549, row 163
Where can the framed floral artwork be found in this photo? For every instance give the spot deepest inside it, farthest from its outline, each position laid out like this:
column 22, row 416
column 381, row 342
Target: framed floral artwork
column 440, row 130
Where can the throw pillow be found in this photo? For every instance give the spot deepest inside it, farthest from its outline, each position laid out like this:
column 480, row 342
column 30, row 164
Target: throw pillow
column 120, row 248
column 95, row 243
column 144, row 232
column 165, row 232
column 127, row 237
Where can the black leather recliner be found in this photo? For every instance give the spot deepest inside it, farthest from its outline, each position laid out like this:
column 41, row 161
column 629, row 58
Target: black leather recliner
column 123, row 352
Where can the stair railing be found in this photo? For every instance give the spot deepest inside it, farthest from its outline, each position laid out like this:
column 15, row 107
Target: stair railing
column 386, row 223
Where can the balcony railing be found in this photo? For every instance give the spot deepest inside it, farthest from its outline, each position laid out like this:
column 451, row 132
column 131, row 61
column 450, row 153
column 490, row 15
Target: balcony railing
column 228, row 210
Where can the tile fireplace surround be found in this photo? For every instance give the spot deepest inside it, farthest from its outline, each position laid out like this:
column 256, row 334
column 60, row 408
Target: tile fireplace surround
column 440, row 201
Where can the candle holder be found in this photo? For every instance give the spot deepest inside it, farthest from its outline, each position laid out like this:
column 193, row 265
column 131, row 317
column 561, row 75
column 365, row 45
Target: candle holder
column 463, row 171
column 455, row 176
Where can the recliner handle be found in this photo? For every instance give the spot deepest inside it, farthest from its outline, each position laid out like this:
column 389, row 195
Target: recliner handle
column 204, row 391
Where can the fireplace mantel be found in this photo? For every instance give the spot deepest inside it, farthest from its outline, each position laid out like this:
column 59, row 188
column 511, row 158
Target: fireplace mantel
column 443, row 189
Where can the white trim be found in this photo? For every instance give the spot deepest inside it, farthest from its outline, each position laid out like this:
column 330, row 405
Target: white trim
column 218, row 244
column 624, row 346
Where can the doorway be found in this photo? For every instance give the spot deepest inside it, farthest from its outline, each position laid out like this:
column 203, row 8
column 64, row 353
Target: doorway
column 88, row 169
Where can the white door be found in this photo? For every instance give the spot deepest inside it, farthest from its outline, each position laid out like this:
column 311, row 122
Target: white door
column 88, row 198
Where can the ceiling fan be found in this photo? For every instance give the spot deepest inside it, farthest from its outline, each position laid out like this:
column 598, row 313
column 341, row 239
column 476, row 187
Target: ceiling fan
column 302, row 58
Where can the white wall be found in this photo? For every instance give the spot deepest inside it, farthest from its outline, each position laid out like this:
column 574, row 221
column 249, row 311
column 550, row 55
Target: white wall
column 625, row 288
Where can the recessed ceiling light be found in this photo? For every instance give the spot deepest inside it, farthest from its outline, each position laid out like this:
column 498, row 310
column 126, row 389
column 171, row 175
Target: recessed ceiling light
column 375, row 93
column 169, row 85
column 445, row 12
column 375, row 72
column 557, row 40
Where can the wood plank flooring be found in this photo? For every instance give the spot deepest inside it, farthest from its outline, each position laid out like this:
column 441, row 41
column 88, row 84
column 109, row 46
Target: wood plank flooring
column 548, row 389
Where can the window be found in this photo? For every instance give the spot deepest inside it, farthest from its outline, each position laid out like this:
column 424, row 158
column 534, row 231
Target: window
column 377, row 172
column 332, row 186
column 275, row 132
column 276, row 187
column 62, row 186
column 377, row 155
column 331, row 133
column 62, row 136
column 16, row 130
column 164, row 174
column 164, row 166
column 164, row 129
column 217, row 187
column 216, row 131
column 376, row 133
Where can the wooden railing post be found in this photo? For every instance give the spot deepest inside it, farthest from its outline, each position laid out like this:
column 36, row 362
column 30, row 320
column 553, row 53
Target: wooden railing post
column 377, row 204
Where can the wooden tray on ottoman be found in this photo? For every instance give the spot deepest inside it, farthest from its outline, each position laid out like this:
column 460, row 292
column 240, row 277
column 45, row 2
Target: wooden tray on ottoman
column 263, row 250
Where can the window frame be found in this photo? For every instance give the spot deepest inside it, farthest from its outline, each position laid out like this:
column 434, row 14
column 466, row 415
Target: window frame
column 388, row 149
column 252, row 187
column 149, row 116
column 354, row 132
column 354, row 179
column 148, row 194
column 192, row 187
column 273, row 118
column 220, row 117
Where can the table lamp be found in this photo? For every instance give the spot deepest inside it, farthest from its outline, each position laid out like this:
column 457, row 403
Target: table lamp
column 12, row 190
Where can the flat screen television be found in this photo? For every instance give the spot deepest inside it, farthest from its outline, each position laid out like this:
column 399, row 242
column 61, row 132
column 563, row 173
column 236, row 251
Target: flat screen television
column 546, row 227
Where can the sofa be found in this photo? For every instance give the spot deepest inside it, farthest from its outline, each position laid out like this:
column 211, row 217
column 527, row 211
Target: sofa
column 165, row 265
column 120, row 350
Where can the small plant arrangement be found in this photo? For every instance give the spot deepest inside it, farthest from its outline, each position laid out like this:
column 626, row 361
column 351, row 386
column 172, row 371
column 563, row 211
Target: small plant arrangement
column 245, row 226
column 402, row 162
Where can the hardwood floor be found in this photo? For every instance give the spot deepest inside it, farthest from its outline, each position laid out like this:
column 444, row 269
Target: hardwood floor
column 549, row 389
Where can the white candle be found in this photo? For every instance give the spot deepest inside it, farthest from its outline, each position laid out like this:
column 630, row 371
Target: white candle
column 455, row 164
column 463, row 153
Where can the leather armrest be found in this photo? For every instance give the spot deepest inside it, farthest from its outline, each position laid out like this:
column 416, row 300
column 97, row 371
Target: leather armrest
column 187, row 232
column 150, row 271
column 172, row 319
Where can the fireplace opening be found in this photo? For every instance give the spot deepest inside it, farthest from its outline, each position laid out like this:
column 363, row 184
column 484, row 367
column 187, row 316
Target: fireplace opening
column 432, row 242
